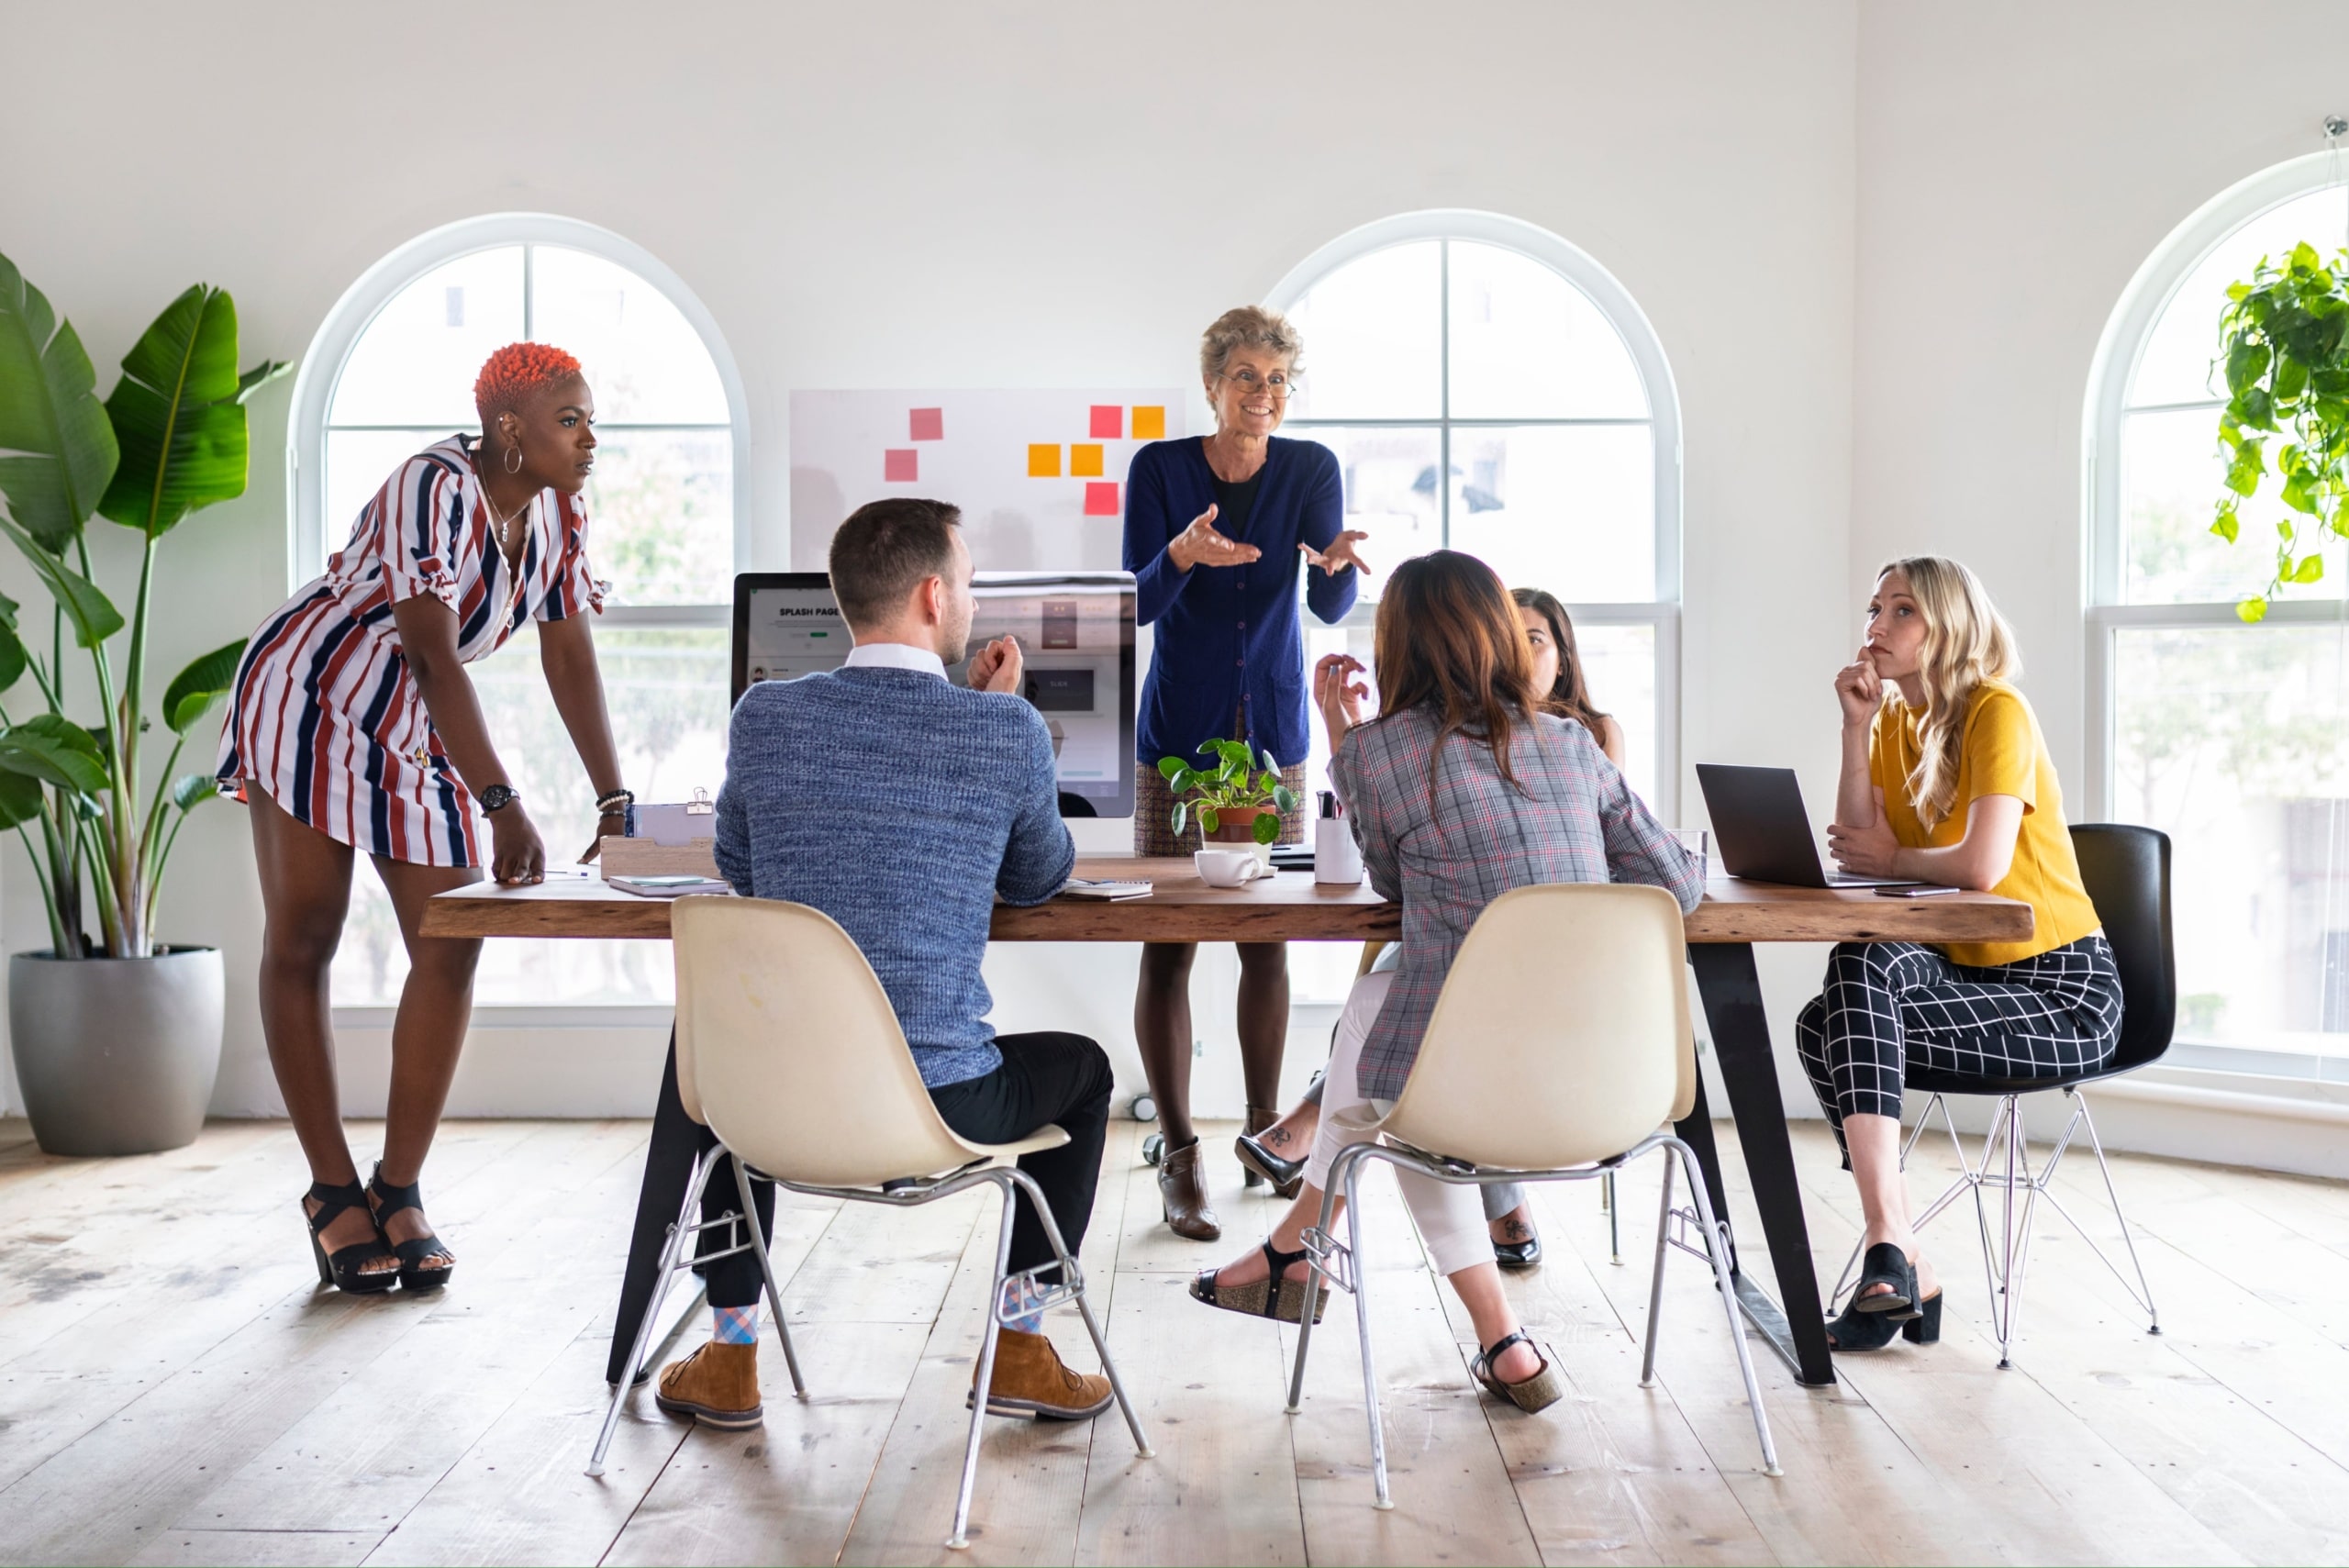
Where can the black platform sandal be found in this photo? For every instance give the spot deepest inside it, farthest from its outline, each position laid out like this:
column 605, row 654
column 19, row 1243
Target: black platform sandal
column 342, row 1267
column 389, row 1200
column 1886, row 1264
column 1873, row 1331
column 1275, row 1296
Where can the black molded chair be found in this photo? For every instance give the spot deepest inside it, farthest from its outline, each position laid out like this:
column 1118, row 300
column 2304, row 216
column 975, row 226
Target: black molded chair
column 2126, row 868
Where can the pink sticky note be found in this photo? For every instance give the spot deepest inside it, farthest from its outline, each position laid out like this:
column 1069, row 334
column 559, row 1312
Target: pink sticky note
column 1108, row 422
column 929, row 424
column 900, row 465
column 1101, row 499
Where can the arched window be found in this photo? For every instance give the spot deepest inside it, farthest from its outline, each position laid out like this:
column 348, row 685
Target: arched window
column 1488, row 387
column 2232, row 738
column 391, row 373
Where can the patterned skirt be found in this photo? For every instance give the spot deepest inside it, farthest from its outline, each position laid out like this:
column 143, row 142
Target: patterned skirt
column 1155, row 803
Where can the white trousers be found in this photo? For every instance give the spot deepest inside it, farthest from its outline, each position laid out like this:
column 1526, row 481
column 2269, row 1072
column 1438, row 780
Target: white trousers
column 1450, row 1217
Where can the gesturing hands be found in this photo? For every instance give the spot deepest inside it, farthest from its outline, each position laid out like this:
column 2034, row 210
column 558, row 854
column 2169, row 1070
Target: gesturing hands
column 1339, row 698
column 998, row 667
column 1200, row 545
column 1860, row 691
column 1340, row 555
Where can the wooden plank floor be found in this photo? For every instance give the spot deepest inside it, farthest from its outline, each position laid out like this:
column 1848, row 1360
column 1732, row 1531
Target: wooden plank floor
column 174, row 1388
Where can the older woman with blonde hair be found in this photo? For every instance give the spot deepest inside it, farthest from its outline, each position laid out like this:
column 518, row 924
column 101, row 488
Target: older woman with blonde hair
column 1217, row 529
column 1946, row 779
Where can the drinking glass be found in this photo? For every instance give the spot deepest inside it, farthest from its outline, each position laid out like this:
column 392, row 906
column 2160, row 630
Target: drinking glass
column 1698, row 843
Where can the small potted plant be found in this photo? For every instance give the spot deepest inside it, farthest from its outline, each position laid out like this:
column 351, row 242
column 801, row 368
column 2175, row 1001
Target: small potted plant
column 1234, row 802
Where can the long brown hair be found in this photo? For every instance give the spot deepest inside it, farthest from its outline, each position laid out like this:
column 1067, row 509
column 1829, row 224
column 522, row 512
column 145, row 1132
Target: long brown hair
column 1569, row 694
column 1448, row 639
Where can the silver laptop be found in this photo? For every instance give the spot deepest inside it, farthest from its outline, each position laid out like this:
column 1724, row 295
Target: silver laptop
column 1764, row 833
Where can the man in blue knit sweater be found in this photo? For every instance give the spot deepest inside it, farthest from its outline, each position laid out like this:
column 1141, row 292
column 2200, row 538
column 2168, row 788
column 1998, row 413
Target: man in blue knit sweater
column 903, row 806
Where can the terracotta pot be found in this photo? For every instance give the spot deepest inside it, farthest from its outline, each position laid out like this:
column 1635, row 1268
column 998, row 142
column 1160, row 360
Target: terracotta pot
column 1236, row 824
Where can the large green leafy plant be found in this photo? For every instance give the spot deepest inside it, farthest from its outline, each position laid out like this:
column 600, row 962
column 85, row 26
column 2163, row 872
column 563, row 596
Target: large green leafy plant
column 168, row 440
column 2282, row 340
column 1232, row 783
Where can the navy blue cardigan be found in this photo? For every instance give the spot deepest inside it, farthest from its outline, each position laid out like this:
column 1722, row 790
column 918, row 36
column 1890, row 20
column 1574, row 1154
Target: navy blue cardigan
column 1231, row 633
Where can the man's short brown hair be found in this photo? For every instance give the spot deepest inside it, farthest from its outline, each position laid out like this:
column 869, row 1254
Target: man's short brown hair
column 884, row 549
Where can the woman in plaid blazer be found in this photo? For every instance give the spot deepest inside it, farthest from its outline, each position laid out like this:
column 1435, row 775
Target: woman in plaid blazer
column 1461, row 790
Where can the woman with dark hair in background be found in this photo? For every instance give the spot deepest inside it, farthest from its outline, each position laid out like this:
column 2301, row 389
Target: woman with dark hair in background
column 1490, row 793
column 1277, row 1153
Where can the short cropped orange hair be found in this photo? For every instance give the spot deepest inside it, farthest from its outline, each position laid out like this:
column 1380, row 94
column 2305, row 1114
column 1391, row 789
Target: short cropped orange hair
column 516, row 370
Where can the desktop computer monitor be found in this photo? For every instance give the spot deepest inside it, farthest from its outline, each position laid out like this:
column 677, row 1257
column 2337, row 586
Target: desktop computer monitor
column 1075, row 632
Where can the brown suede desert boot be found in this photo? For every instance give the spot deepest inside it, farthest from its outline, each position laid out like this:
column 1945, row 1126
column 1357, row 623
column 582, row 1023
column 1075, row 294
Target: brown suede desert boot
column 1030, row 1381
column 717, row 1385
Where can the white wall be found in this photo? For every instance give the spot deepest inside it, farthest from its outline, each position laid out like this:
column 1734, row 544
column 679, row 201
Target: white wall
column 1008, row 194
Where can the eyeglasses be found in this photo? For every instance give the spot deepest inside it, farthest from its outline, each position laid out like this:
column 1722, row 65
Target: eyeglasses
column 1279, row 385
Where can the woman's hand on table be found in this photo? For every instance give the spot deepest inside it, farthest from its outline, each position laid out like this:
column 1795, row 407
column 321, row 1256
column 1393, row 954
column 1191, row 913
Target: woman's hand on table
column 517, row 855
column 1339, row 697
column 1340, row 555
column 611, row 825
column 1864, row 851
column 1200, row 545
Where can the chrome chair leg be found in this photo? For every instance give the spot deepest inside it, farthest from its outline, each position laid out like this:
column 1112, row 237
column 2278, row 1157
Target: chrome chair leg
column 671, row 1250
column 1718, row 1256
column 1362, row 1320
column 984, row 1380
column 1614, row 1219
column 1312, row 1298
column 1656, row 1286
column 1074, row 1277
column 766, row 1271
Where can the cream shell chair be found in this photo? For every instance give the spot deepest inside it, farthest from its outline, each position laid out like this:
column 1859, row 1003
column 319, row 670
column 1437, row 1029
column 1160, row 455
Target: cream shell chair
column 1559, row 1049
column 788, row 1050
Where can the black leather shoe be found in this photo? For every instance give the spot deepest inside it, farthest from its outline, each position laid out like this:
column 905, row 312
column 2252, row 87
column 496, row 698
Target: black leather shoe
column 1262, row 1165
column 1522, row 1254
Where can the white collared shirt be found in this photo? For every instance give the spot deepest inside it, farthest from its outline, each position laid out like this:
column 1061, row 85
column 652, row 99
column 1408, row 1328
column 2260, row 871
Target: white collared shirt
column 894, row 656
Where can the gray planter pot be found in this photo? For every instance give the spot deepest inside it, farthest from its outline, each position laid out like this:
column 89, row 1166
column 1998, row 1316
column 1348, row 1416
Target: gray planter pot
column 115, row 1055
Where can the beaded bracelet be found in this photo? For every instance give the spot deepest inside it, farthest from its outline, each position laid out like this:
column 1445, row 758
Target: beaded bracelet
column 618, row 800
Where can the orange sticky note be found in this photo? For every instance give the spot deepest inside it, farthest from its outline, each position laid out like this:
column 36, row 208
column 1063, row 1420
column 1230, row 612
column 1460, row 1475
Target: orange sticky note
column 1108, row 421
column 1149, row 422
column 1083, row 460
column 900, row 465
column 1044, row 462
column 1101, row 500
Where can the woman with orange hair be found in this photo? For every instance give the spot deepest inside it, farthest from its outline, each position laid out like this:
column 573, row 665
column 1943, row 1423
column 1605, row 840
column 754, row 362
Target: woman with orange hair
column 354, row 727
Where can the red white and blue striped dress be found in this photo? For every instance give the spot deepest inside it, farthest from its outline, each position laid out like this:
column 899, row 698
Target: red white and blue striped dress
column 326, row 720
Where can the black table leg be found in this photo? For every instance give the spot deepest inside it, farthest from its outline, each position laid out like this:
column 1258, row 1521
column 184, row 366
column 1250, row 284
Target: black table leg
column 668, row 1170
column 1731, row 991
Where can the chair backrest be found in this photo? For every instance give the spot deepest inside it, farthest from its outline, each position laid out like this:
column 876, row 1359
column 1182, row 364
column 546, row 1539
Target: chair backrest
column 2126, row 868
column 788, row 1050
column 1562, row 1034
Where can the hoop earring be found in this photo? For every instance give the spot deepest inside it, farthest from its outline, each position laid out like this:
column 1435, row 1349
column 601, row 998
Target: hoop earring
column 514, row 457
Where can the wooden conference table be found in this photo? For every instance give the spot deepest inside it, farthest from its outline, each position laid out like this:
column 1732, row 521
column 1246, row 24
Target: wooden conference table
column 1293, row 907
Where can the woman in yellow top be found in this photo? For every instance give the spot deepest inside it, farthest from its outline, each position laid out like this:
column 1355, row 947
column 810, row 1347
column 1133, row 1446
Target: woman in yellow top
column 1946, row 779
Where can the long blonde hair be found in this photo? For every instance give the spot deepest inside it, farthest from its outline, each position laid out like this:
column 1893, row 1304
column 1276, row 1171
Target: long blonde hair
column 1967, row 641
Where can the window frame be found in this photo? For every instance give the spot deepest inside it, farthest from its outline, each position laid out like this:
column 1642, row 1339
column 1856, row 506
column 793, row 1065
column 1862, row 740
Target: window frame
column 2104, row 610
column 329, row 352
column 1613, row 302
column 314, row 390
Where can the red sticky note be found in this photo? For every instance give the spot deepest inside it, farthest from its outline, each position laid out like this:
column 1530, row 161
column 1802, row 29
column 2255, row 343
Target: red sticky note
column 929, row 424
column 1101, row 499
column 900, row 465
column 1108, row 422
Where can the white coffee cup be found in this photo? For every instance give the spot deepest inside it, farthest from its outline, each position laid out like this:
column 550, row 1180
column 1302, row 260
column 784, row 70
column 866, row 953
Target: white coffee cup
column 1337, row 858
column 1228, row 868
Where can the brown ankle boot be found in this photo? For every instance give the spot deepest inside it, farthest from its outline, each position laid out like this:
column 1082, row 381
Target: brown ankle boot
column 1030, row 1380
column 718, row 1385
column 1183, row 1194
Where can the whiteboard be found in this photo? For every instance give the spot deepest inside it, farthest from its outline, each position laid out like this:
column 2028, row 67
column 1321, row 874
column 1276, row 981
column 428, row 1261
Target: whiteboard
column 1040, row 475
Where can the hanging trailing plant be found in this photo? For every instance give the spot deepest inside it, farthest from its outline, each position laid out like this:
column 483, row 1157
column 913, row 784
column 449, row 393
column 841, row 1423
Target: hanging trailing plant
column 2281, row 338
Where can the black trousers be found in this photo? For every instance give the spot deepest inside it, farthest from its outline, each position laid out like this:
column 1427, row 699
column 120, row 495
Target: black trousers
column 1046, row 1077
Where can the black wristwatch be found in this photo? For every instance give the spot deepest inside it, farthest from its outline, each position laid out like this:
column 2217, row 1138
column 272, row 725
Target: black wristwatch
column 496, row 797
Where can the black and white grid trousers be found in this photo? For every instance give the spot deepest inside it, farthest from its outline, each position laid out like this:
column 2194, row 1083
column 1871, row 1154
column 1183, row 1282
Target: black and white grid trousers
column 1891, row 1005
